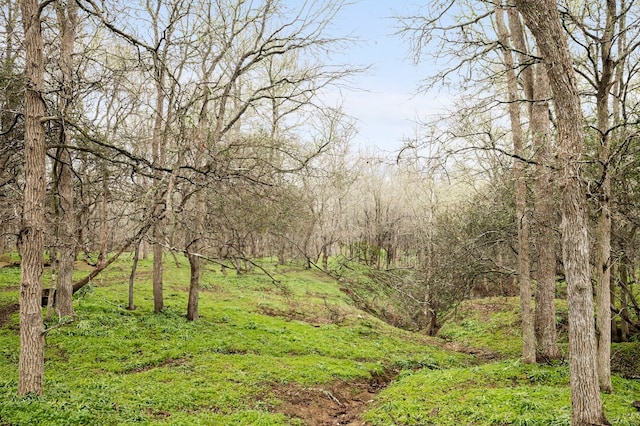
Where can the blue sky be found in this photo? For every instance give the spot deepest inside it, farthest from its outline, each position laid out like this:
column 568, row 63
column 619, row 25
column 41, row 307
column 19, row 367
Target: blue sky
column 386, row 106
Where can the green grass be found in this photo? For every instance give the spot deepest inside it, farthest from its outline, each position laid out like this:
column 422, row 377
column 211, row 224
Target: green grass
column 112, row 366
column 493, row 324
column 503, row 393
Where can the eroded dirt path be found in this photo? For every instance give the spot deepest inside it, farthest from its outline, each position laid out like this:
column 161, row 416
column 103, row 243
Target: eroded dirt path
column 340, row 403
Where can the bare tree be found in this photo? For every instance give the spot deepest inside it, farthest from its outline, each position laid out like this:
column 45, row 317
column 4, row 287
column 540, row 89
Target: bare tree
column 31, row 362
column 545, row 220
column 67, row 15
column 11, row 128
column 543, row 19
column 522, row 221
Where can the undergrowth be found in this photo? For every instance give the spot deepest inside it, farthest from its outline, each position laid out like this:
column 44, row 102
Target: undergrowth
column 112, row 366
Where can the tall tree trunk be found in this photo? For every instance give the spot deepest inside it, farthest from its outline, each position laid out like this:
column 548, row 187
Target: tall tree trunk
column 194, row 282
column 31, row 361
column 524, row 277
column 10, row 101
column 603, row 246
column 158, row 236
column 545, row 311
column 543, row 18
column 194, row 247
column 67, row 21
column 194, row 255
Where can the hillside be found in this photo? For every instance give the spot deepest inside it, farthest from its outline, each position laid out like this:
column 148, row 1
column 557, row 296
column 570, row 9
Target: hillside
column 293, row 353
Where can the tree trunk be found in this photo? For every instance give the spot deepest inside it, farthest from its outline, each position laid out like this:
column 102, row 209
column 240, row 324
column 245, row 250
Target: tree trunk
column 64, row 288
column 324, row 257
column 136, row 256
column 524, row 278
column 67, row 20
column 158, row 235
column 158, row 298
column 545, row 311
column 624, row 301
column 31, row 361
column 104, row 226
column 194, row 286
column 603, row 237
column 543, row 18
column 193, row 254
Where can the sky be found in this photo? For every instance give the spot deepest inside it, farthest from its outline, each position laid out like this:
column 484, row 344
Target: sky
column 386, row 105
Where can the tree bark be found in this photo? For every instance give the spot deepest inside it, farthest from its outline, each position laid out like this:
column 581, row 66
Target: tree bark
column 193, row 254
column 31, row 361
column 194, row 285
column 524, row 276
column 158, row 160
column 545, row 311
column 103, row 254
column 136, row 256
column 67, row 20
column 158, row 298
column 603, row 246
column 543, row 18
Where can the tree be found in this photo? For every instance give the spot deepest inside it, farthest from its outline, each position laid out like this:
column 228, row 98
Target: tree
column 603, row 246
column 31, row 238
column 67, row 15
column 11, row 128
column 544, row 220
column 519, row 169
column 543, row 19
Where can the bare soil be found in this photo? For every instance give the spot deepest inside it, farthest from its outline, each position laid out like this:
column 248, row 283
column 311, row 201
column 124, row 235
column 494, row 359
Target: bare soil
column 339, row 403
column 6, row 312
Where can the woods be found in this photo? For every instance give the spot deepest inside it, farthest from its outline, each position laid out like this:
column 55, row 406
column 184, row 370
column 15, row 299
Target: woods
column 207, row 134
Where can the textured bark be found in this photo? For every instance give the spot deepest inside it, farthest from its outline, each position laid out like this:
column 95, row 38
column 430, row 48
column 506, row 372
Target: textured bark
column 31, row 361
column 158, row 298
column 543, row 18
column 524, row 276
column 11, row 99
column 544, row 189
column 104, row 225
column 194, row 253
column 194, row 286
column 67, row 21
column 158, row 235
column 603, row 245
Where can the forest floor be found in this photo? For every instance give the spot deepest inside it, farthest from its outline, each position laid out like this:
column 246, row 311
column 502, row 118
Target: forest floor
column 295, row 352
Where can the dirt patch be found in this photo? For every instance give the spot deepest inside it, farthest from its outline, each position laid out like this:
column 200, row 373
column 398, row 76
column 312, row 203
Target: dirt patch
column 289, row 314
column 169, row 362
column 482, row 354
column 329, row 314
column 340, row 403
column 6, row 312
column 625, row 359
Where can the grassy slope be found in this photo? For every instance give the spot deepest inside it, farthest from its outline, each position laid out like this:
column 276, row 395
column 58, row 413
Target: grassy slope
column 501, row 392
column 113, row 367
